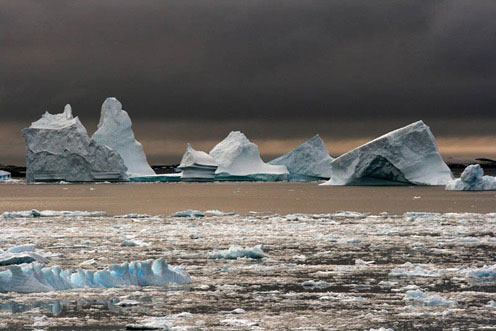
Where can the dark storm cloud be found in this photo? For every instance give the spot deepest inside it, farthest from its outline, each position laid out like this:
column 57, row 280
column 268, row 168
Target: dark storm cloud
column 250, row 59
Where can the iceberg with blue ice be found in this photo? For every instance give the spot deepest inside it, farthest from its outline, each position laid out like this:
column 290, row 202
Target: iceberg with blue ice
column 197, row 166
column 236, row 252
column 115, row 131
column 473, row 179
column 309, row 161
column 30, row 278
column 58, row 148
column 406, row 156
column 239, row 159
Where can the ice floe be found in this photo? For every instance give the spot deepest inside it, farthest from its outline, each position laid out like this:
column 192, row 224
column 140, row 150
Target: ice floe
column 235, row 252
column 417, row 297
column 51, row 213
column 189, row 213
column 22, row 254
column 473, row 179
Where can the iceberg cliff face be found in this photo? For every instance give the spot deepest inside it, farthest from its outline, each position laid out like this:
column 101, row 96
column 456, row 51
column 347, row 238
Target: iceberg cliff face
column 114, row 130
column 310, row 160
column 473, row 179
column 197, row 166
column 58, row 148
column 405, row 156
column 239, row 157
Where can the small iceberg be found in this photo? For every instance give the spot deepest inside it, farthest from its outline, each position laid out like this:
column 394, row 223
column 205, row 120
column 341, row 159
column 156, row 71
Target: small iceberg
column 473, row 179
column 189, row 213
column 235, row 252
column 21, row 254
column 51, row 213
column 197, row 166
column 417, row 297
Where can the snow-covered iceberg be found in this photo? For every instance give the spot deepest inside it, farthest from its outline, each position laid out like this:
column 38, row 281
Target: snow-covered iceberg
column 114, row 130
column 473, row 179
column 402, row 157
column 309, row 161
column 58, row 148
column 239, row 159
column 32, row 277
column 197, row 166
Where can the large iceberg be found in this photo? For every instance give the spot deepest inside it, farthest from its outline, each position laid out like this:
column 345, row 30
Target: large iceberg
column 402, row 157
column 114, row 130
column 239, row 159
column 59, row 148
column 473, row 179
column 29, row 278
column 197, row 166
column 309, row 161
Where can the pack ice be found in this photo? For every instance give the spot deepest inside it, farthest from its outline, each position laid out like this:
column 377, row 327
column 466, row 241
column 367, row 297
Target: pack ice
column 59, row 148
column 310, row 160
column 115, row 131
column 197, row 165
column 405, row 156
column 239, row 158
column 30, row 278
column 473, row 179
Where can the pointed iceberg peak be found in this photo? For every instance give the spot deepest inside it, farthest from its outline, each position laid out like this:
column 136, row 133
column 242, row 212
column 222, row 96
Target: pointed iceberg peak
column 309, row 161
column 68, row 111
column 407, row 156
column 114, row 130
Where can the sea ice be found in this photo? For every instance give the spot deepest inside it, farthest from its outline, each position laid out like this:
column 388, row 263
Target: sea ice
column 197, row 166
column 239, row 158
column 51, row 213
column 59, row 148
column 189, row 213
column 21, row 254
column 235, row 252
column 219, row 213
column 472, row 179
column 417, row 297
column 30, row 278
column 115, row 131
column 402, row 157
column 481, row 275
column 309, row 161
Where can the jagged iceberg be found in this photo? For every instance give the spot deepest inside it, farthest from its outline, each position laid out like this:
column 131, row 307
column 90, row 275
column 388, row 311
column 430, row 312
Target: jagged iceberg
column 197, row 166
column 32, row 277
column 59, row 148
column 402, row 157
column 473, row 179
column 114, row 130
column 309, row 161
column 239, row 159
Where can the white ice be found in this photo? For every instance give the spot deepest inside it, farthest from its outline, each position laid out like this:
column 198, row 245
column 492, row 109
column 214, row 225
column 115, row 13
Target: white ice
column 51, row 213
column 235, row 252
column 197, row 165
column 417, row 297
column 189, row 213
column 473, row 179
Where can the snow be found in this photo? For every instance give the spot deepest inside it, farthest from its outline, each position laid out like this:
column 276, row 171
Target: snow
column 310, row 160
column 51, row 213
column 197, row 165
column 237, row 156
column 417, row 297
column 30, row 278
column 405, row 156
column 235, row 252
column 473, row 179
column 58, row 148
column 189, row 213
column 115, row 131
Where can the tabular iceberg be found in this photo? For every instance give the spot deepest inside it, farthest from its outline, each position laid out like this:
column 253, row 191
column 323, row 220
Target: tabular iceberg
column 59, row 148
column 239, row 159
column 402, row 157
column 197, row 166
column 114, row 130
column 473, row 179
column 309, row 161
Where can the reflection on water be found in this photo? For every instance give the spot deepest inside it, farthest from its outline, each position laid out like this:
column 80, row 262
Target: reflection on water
column 59, row 308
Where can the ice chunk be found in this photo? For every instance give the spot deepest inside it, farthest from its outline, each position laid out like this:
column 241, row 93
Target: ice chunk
column 189, row 213
column 5, row 175
column 239, row 158
column 33, row 278
column 417, row 297
column 311, row 160
column 152, row 323
column 219, row 213
column 473, row 179
column 58, row 148
column 51, row 213
column 235, row 252
column 114, row 130
column 481, row 275
column 10, row 258
column 197, row 165
column 402, row 157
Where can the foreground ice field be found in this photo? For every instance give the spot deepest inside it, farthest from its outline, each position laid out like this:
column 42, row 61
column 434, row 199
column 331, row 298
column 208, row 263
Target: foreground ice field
column 312, row 272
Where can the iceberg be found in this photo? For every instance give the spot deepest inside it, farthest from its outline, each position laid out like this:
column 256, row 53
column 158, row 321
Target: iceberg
column 5, row 175
column 31, row 278
column 58, row 148
column 197, row 166
column 114, row 130
column 239, row 159
column 407, row 156
column 309, row 161
column 235, row 252
column 473, row 179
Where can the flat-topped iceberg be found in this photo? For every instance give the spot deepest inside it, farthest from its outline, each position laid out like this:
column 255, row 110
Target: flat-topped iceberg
column 473, row 179
column 115, row 131
column 239, row 159
column 309, row 161
column 30, row 278
column 58, row 148
column 402, row 157
column 197, row 166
